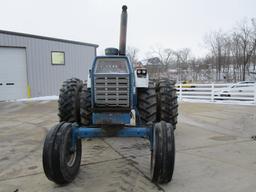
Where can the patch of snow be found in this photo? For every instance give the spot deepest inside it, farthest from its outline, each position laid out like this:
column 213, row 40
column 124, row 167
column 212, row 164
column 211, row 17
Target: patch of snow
column 44, row 98
column 219, row 102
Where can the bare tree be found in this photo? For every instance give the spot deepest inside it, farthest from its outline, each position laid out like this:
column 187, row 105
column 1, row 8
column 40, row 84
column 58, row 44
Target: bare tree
column 159, row 61
column 231, row 55
column 165, row 55
column 132, row 54
column 236, row 52
column 245, row 36
column 182, row 63
column 219, row 44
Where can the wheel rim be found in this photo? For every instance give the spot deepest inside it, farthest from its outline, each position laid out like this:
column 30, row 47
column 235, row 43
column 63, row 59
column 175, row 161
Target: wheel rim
column 71, row 159
column 70, row 155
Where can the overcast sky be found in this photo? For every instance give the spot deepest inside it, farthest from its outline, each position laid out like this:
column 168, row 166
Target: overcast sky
column 168, row 23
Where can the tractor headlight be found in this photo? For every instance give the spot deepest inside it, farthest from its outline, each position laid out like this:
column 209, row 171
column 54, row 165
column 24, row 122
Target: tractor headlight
column 144, row 72
column 139, row 71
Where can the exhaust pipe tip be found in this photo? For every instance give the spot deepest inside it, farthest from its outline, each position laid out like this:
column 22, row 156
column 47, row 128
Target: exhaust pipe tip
column 124, row 7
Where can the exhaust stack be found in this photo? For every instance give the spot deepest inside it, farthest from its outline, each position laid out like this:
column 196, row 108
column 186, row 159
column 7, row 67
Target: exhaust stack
column 123, row 30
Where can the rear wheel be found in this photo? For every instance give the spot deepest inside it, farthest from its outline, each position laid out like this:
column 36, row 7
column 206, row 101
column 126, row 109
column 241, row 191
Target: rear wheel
column 85, row 106
column 163, row 153
column 158, row 102
column 60, row 163
column 147, row 103
column 69, row 100
column 167, row 102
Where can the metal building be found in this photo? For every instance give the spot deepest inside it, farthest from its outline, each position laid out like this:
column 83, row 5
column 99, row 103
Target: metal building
column 32, row 65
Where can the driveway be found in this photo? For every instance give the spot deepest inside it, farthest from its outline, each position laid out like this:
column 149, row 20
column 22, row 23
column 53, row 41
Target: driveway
column 215, row 152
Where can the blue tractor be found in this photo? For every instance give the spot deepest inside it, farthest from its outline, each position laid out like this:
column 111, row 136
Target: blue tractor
column 116, row 101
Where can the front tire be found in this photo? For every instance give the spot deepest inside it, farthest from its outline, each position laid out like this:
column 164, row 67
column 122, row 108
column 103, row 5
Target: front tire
column 61, row 165
column 163, row 153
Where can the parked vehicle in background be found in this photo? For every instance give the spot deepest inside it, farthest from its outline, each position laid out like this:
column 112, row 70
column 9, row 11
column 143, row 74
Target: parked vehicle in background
column 236, row 90
column 186, row 84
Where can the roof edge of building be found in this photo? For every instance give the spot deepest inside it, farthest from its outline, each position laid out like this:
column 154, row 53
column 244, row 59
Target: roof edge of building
column 47, row 38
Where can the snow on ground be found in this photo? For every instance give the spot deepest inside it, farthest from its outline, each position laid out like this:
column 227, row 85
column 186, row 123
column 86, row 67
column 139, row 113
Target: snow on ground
column 44, row 98
column 229, row 102
column 55, row 97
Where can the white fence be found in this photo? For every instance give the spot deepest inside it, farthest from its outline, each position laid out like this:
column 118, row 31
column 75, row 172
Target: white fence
column 216, row 93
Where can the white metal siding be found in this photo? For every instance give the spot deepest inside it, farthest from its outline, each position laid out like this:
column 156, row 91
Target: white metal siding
column 13, row 73
column 43, row 77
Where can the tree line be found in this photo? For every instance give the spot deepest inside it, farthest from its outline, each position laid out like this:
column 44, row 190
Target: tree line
column 231, row 57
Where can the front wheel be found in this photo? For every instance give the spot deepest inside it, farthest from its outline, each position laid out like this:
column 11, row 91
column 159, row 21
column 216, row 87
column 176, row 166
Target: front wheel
column 163, row 153
column 60, row 163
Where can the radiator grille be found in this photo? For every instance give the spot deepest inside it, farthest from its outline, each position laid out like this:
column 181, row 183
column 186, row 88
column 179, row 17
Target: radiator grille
column 112, row 91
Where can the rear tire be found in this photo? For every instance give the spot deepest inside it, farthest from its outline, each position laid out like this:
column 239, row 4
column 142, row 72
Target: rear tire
column 163, row 153
column 147, row 103
column 69, row 100
column 61, row 165
column 85, row 106
column 167, row 102
column 158, row 102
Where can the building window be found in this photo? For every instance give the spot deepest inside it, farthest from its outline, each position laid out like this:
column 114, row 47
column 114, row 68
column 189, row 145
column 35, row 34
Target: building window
column 58, row 58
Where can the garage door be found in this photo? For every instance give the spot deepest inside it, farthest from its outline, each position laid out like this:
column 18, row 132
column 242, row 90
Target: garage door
column 13, row 73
